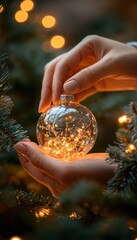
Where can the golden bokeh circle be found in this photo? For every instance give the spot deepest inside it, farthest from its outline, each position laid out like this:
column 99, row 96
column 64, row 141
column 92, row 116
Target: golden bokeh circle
column 57, row 41
column 48, row 21
column 27, row 5
column 21, row 16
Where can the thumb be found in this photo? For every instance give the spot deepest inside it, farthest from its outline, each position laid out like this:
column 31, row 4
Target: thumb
column 89, row 76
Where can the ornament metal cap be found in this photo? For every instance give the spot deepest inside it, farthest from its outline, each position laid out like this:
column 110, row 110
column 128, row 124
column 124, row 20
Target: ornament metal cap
column 67, row 97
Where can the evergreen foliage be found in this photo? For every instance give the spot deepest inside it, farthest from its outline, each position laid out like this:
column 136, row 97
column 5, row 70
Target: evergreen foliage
column 91, row 212
column 86, row 212
column 10, row 131
column 124, row 154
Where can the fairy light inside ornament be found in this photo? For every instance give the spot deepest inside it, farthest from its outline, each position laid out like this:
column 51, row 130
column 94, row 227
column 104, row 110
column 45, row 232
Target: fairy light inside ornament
column 67, row 131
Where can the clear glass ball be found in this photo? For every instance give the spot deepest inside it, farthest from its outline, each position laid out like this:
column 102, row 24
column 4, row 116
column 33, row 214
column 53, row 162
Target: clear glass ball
column 67, row 131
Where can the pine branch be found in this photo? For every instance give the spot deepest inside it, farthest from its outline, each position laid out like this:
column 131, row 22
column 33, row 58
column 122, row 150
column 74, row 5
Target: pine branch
column 10, row 131
column 124, row 154
column 85, row 199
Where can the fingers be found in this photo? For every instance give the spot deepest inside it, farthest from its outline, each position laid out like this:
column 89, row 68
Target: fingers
column 74, row 57
column 85, row 54
column 54, row 187
column 89, row 76
column 88, row 64
column 107, row 85
column 46, row 91
column 52, row 167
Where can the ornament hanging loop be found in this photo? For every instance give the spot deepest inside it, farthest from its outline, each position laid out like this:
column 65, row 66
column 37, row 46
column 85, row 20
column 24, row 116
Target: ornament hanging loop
column 66, row 97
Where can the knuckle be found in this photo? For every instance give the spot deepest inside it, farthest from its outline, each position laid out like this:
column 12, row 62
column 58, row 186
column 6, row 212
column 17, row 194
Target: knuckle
column 46, row 67
column 60, row 64
column 88, row 73
column 93, row 38
column 35, row 161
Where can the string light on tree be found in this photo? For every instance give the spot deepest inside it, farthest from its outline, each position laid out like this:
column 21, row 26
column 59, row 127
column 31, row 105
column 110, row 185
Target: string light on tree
column 21, row 16
column 67, row 131
column 43, row 212
column 73, row 215
column 27, row 5
column 1, row 8
column 124, row 119
column 130, row 148
column 48, row 21
column 16, row 238
column 57, row 41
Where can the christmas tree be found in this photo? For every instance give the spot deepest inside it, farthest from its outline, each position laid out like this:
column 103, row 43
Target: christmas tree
column 27, row 209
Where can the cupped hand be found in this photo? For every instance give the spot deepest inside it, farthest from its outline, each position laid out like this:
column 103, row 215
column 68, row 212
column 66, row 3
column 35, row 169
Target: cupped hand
column 96, row 64
column 58, row 175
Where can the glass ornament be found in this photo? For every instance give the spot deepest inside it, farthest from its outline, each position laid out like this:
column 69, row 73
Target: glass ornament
column 67, row 131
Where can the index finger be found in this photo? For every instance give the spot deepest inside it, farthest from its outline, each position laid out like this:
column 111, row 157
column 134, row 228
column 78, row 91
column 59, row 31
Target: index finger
column 80, row 52
column 46, row 90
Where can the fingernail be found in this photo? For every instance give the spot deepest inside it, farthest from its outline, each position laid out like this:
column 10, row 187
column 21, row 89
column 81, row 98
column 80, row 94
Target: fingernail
column 71, row 86
column 20, row 147
column 42, row 108
column 39, row 108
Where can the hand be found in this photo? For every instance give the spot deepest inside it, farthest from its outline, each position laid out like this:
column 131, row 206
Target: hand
column 96, row 64
column 58, row 175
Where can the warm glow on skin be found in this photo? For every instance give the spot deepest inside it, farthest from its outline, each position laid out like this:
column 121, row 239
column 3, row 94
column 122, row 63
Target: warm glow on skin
column 21, row 16
column 27, row 5
column 48, row 21
column 57, row 41
column 1, row 8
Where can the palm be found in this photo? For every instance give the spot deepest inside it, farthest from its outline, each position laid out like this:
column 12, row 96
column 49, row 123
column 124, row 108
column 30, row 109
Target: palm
column 58, row 175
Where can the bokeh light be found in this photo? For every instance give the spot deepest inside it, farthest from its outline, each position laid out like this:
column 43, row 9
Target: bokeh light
column 15, row 238
column 48, row 21
column 43, row 212
column 1, row 8
column 131, row 148
column 123, row 119
column 57, row 41
column 27, row 5
column 21, row 16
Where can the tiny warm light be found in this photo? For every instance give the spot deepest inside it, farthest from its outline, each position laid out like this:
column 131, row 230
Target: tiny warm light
column 15, row 238
column 57, row 41
column 123, row 119
column 48, row 21
column 1, row 8
column 27, row 5
column 130, row 148
column 131, row 228
column 43, row 212
column 73, row 215
column 21, row 16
